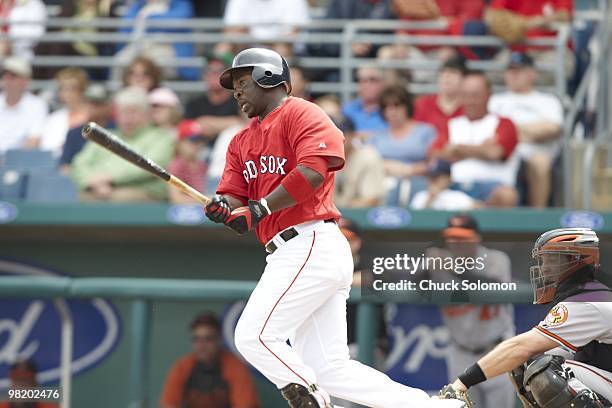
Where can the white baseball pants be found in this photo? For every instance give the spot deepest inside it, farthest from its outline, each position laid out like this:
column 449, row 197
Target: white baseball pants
column 301, row 297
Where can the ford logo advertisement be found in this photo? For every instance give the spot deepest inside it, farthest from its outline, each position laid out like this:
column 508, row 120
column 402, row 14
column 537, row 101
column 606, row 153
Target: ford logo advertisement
column 582, row 219
column 389, row 217
column 31, row 329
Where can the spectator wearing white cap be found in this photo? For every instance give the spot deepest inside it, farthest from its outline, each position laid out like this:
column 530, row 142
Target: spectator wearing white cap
column 166, row 109
column 21, row 112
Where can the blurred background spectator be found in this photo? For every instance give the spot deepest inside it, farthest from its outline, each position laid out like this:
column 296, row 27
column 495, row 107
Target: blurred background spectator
column 166, row 109
column 24, row 22
column 104, row 176
column 538, row 117
column 331, row 105
column 84, row 12
column 299, row 82
column 143, row 72
column 142, row 11
column 273, row 19
column 215, row 108
column 187, row 163
column 22, row 375
column 403, row 145
column 480, row 146
column 99, row 109
column 209, row 376
column 438, row 195
column 365, row 110
column 22, row 113
column 516, row 20
column 359, row 184
column 71, row 85
column 437, row 109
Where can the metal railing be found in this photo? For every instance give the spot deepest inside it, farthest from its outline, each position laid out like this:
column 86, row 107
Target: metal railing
column 142, row 292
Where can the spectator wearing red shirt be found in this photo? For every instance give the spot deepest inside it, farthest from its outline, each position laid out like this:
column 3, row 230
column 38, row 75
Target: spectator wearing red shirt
column 438, row 108
column 480, row 146
column 541, row 17
column 209, row 376
column 22, row 375
column 187, row 164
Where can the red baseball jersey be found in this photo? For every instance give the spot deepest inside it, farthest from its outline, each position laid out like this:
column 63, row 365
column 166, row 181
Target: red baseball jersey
column 264, row 152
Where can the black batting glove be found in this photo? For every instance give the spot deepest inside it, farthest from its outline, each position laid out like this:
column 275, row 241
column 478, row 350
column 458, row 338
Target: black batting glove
column 245, row 219
column 218, row 210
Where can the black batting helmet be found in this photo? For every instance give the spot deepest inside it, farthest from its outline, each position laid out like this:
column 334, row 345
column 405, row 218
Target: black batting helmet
column 269, row 68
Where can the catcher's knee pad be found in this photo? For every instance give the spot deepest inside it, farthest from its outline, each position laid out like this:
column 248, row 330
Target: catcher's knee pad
column 299, row 396
column 548, row 381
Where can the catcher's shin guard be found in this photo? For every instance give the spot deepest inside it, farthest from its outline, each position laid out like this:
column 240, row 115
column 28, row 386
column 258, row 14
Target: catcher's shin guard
column 554, row 386
column 299, row 396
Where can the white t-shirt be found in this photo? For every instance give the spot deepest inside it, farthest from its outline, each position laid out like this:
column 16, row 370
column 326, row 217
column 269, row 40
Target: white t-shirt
column 267, row 19
column 527, row 108
column 19, row 122
column 461, row 130
column 219, row 150
column 53, row 134
column 446, row 200
column 26, row 25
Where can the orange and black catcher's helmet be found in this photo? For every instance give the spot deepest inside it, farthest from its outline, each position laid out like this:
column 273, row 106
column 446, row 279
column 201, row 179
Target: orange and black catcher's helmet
column 269, row 68
column 561, row 255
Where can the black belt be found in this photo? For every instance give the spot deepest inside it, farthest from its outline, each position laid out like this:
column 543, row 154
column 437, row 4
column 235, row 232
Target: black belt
column 479, row 350
column 288, row 235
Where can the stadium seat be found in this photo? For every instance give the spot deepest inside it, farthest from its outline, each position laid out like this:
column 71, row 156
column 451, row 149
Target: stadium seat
column 50, row 188
column 12, row 183
column 29, row 159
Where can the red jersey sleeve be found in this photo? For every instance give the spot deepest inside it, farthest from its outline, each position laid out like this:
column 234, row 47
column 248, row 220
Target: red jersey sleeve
column 440, row 141
column 311, row 132
column 506, row 136
column 233, row 182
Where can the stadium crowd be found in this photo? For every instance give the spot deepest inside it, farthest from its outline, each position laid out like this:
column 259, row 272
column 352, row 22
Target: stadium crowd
column 461, row 148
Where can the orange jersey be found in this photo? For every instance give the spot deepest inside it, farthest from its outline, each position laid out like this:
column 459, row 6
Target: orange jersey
column 235, row 387
column 263, row 153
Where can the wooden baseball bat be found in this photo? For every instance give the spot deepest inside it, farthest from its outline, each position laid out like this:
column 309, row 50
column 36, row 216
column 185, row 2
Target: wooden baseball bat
column 105, row 138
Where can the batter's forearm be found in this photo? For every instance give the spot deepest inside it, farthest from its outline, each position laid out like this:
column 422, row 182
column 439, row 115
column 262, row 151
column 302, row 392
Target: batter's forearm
column 280, row 198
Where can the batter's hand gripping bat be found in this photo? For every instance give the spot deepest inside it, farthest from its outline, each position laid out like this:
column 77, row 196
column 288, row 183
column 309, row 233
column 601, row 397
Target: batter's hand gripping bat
column 105, row 138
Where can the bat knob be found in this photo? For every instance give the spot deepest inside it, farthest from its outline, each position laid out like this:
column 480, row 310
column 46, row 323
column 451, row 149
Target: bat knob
column 87, row 129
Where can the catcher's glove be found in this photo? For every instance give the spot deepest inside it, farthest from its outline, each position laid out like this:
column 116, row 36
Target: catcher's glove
column 508, row 26
column 448, row 392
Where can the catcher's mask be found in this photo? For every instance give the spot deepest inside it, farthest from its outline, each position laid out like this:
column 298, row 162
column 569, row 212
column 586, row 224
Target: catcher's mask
column 559, row 254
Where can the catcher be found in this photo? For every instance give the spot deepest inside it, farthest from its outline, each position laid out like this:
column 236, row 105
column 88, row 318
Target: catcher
column 578, row 327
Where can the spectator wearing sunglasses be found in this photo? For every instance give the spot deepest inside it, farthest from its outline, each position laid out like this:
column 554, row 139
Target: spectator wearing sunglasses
column 208, row 376
column 364, row 111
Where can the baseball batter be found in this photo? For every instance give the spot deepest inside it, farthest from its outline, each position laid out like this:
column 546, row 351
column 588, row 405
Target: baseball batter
column 579, row 324
column 279, row 180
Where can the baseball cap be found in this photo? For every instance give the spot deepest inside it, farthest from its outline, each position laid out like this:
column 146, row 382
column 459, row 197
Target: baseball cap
column 18, row 66
column 438, row 167
column 461, row 226
column 97, row 93
column 189, row 129
column 520, row 59
column 457, row 63
column 164, row 97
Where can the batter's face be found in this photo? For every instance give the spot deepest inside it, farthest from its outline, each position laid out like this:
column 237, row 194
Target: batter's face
column 251, row 98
